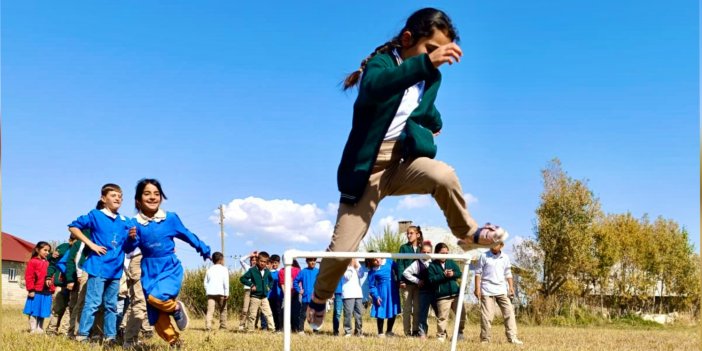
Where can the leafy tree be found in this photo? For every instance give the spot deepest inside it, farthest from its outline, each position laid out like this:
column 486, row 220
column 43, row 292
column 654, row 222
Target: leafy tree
column 564, row 231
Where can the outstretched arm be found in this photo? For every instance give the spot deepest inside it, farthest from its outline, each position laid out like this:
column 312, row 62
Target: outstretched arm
column 189, row 237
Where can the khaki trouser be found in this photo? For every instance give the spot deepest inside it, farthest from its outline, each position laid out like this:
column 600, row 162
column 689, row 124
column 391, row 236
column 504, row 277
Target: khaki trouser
column 410, row 309
column 135, row 319
column 445, row 306
column 219, row 303
column 256, row 304
column 60, row 313
column 392, row 176
column 487, row 312
column 164, row 328
column 79, row 291
column 245, row 309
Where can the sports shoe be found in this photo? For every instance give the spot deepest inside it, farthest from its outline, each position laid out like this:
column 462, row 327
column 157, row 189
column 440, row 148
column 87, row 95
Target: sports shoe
column 516, row 341
column 441, row 339
column 315, row 314
column 485, row 237
column 460, row 337
column 390, row 334
column 181, row 316
column 381, row 335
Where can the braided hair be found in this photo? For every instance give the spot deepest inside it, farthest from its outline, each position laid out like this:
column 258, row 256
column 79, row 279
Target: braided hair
column 421, row 23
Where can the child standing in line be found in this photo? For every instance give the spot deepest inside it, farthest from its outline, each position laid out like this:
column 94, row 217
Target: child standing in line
column 338, row 307
column 352, row 296
column 418, row 274
column 217, row 290
column 295, row 296
column 493, row 278
column 384, row 292
column 39, row 288
column 75, row 281
column 245, row 266
column 442, row 276
column 410, row 291
column 275, row 296
column 304, row 284
column 60, row 313
column 162, row 272
column 390, row 149
column 109, row 231
column 135, row 320
column 260, row 280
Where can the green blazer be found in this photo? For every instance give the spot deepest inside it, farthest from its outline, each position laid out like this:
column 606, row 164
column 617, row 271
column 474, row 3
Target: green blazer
column 263, row 283
column 443, row 286
column 382, row 87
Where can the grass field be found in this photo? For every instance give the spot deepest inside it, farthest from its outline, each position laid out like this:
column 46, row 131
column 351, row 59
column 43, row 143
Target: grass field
column 16, row 338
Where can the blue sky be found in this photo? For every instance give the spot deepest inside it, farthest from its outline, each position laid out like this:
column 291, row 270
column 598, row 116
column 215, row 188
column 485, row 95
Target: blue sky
column 239, row 104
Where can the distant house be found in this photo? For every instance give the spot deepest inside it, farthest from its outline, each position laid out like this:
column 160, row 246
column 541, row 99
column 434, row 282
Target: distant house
column 15, row 254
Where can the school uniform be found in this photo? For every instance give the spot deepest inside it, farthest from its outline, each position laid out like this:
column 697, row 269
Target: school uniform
column 305, row 280
column 60, row 313
column 263, row 282
column 275, row 299
column 111, row 231
column 446, row 293
column 389, row 90
column 414, row 273
column 410, row 294
column 161, row 270
column 494, row 270
column 352, row 295
column 217, row 291
column 383, row 284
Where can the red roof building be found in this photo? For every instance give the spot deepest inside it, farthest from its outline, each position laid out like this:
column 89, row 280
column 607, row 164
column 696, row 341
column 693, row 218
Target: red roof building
column 15, row 249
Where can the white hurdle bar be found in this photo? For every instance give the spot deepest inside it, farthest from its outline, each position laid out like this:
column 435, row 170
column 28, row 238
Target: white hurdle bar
column 291, row 255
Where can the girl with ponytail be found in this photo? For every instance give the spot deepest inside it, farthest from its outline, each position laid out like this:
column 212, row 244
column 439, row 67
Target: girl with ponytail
column 390, row 149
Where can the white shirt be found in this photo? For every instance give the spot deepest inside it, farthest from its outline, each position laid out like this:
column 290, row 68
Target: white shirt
column 351, row 283
column 493, row 271
column 245, row 266
column 412, row 271
column 410, row 101
column 217, row 280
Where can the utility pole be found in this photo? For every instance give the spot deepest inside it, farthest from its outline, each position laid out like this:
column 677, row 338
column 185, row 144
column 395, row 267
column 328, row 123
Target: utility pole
column 221, row 225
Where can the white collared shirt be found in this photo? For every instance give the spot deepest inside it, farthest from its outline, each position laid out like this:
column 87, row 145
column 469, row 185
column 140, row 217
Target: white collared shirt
column 217, row 280
column 410, row 101
column 493, row 271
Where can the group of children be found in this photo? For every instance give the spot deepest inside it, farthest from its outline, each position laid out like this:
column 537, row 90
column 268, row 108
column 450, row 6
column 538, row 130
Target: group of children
column 107, row 250
column 390, row 151
column 424, row 284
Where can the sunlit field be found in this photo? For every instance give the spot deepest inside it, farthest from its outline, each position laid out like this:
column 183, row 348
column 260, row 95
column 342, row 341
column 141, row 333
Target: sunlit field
column 16, row 338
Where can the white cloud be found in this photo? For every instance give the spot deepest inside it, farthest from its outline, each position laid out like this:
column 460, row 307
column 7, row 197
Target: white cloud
column 387, row 221
column 415, row 201
column 422, row 201
column 278, row 220
column 470, row 199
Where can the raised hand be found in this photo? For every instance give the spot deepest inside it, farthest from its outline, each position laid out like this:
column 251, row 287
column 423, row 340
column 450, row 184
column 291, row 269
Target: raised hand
column 448, row 53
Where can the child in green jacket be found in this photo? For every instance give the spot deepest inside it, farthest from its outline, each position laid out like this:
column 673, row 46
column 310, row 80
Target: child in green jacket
column 260, row 280
column 443, row 276
column 390, row 149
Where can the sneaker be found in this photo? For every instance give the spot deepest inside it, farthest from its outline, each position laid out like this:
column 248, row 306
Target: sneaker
column 301, row 333
column 82, row 338
column 131, row 345
column 347, row 335
column 484, row 341
column 441, row 338
column 181, row 316
column 460, row 337
column 390, row 334
column 315, row 314
column 485, row 237
column 516, row 341
column 381, row 335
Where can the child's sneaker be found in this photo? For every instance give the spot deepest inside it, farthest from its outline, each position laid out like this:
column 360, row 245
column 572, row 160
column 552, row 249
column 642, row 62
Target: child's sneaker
column 181, row 316
column 516, row 341
column 315, row 314
column 485, row 237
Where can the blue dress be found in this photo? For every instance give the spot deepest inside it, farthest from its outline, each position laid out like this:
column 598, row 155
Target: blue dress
column 161, row 271
column 382, row 282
